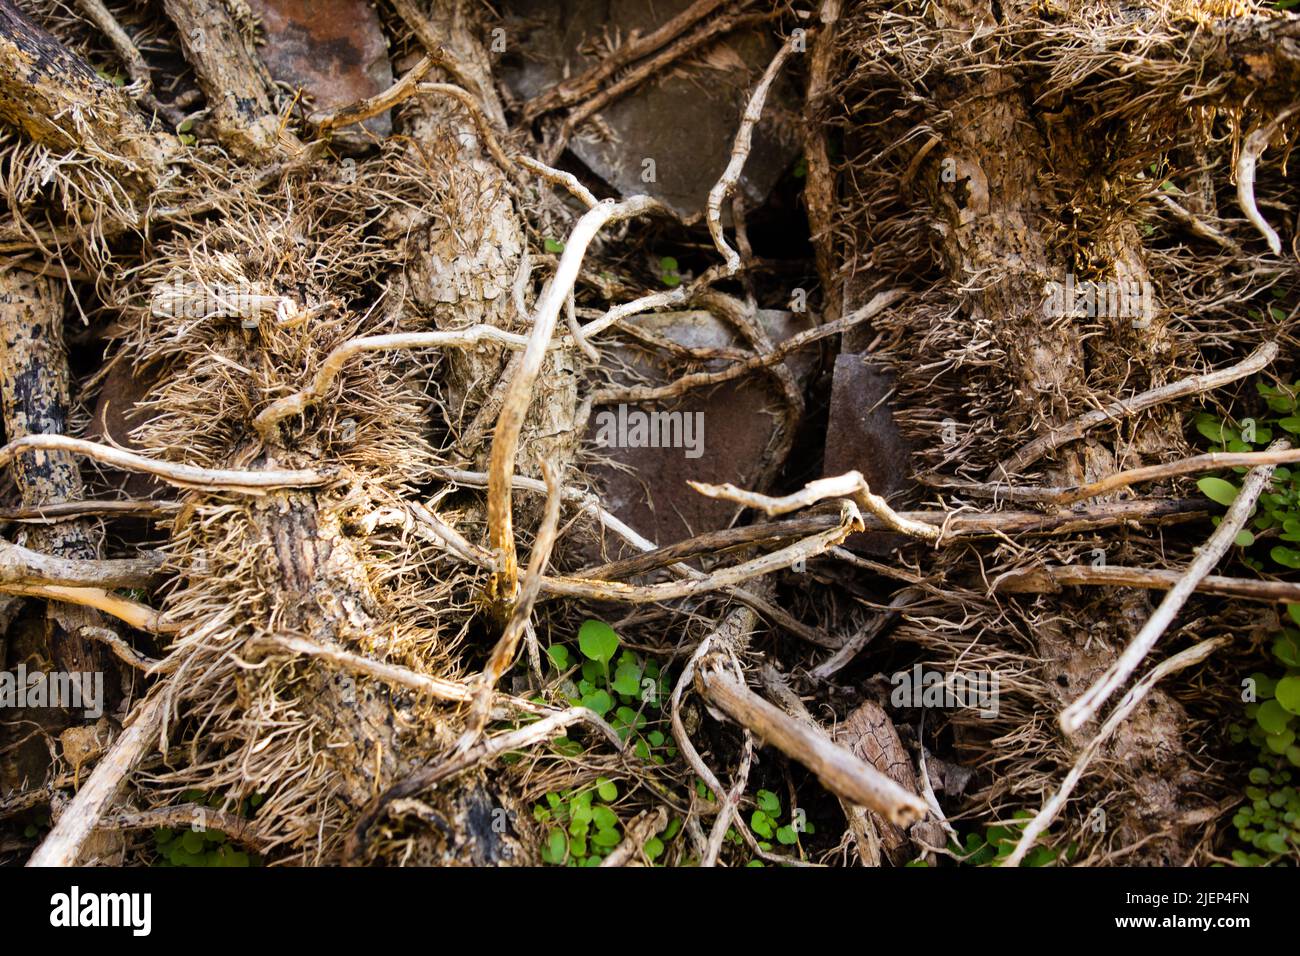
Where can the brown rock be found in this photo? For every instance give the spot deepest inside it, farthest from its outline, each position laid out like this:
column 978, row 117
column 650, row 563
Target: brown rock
column 730, row 427
column 335, row 50
column 861, row 436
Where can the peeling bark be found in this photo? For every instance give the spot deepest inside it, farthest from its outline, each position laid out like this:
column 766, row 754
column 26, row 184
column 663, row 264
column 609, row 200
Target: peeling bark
column 34, row 392
column 231, row 77
column 60, row 102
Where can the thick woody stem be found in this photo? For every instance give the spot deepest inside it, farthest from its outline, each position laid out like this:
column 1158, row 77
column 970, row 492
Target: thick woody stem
column 228, row 73
column 54, row 96
column 514, row 408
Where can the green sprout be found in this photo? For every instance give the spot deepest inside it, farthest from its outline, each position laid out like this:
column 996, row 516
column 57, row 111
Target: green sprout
column 668, row 272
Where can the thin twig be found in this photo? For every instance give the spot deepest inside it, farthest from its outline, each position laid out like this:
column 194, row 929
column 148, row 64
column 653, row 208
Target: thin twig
column 590, row 504
column 802, row 550
column 1051, row 578
column 1043, row 819
column 650, row 393
column 503, row 654
column 1086, row 707
column 239, row 829
column 183, row 476
column 850, row 485
column 1247, row 159
column 267, row 420
column 1076, row 428
column 62, row 510
column 571, row 90
column 379, row 103
column 739, row 153
column 1197, row 464
column 514, row 408
column 138, row 615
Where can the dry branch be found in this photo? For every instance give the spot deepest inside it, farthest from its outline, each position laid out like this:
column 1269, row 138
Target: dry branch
column 62, row 845
column 19, row 565
column 1078, row 427
column 850, row 485
column 1052, row 578
column 839, row 771
column 1210, row 553
column 183, row 476
column 519, row 395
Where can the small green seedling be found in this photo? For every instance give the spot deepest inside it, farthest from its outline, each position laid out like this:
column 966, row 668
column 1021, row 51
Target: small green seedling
column 668, row 272
column 624, row 688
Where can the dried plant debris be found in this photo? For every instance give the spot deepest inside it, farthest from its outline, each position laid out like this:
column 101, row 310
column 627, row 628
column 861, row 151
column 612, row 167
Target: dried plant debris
column 402, row 471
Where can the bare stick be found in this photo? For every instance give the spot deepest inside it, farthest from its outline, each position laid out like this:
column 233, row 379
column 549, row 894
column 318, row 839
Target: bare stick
column 1052, row 578
column 1123, row 479
column 643, row 826
column 850, row 523
column 1077, row 427
column 62, row 510
column 1199, row 226
column 239, row 829
column 1251, row 150
column 730, row 804
column 138, row 615
column 740, row 153
column 18, row 565
column 381, row 102
column 955, row 525
column 590, row 504
column 559, row 177
column 865, row 635
column 572, row 90
column 655, row 300
column 267, row 420
column 1043, row 819
column 839, row 771
column 1083, row 709
column 640, row 72
column 503, row 654
column 62, row 845
column 183, row 476
column 849, row 485
column 124, row 651
column 734, row 629
column 514, row 408
column 780, row 350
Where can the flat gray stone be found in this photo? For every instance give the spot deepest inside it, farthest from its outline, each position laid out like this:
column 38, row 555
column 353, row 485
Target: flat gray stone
column 646, row 486
column 861, row 436
column 684, row 120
